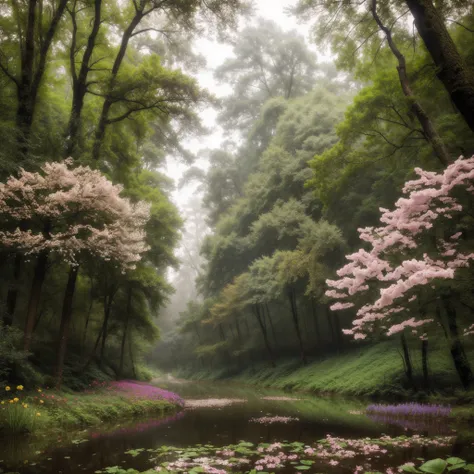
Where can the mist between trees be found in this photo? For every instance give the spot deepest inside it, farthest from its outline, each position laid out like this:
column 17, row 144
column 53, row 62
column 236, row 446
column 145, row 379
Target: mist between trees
column 96, row 95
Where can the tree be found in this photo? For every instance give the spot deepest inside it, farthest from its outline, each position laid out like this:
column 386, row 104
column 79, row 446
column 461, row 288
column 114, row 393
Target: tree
column 268, row 63
column 188, row 14
column 452, row 70
column 74, row 213
column 420, row 227
column 32, row 30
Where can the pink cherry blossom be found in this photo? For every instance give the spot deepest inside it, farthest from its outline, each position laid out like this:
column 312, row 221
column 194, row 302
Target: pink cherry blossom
column 392, row 271
column 72, row 211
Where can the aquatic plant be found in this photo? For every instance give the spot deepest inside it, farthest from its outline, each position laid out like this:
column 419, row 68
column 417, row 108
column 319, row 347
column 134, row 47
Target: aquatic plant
column 410, row 409
column 349, row 454
column 212, row 402
column 437, row 466
column 268, row 420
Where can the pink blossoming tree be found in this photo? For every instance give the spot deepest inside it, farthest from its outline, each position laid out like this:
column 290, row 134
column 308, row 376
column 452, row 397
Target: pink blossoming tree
column 412, row 261
column 74, row 214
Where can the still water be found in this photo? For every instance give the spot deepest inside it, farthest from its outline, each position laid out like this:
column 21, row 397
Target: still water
column 93, row 449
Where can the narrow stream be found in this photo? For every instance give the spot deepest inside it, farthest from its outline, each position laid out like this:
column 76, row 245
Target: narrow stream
column 99, row 447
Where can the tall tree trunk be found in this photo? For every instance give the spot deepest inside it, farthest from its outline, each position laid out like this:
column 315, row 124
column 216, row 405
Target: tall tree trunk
column 196, row 330
column 79, row 87
column 458, row 354
column 35, row 295
column 263, row 328
column 424, row 363
column 429, row 130
column 106, row 106
column 331, row 327
column 337, row 329
column 407, row 360
column 12, row 293
column 272, row 327
column 316, row 322
column 247, row 326
column 125, row 329
column 105, row 327
column 89, row 312
column 94, row 349
column 296, row 324
column 237, row 328
column 33, row 66
column 452, row 70
column 130, row 350
column 65, row 323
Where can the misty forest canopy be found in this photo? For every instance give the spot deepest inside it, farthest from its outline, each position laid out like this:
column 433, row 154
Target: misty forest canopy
column 320, row 160
column 335, row 214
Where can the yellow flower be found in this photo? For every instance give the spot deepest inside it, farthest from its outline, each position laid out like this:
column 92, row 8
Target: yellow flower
column 16, row 399
column 25, row 405
column 41, row 401
column 38, row 414
column 10, row 401
column 3, row 403
column 7, row 389
column 39, row 390
column 19, row 387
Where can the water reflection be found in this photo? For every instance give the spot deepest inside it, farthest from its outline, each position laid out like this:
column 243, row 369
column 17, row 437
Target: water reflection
column 88, row 451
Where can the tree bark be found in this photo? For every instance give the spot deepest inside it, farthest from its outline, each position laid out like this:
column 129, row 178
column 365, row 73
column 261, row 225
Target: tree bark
column 337, row 329
column 65, row 323
column 461, row 363
column 94, row 349
column 35, row 295
column 105, row 326
column 12, row 293
column 103, row 119
column 451, row 68
column 130, row 350
column 89, row 312
column 272, row 327
column 296, row 324
column 316, row 322
column 407, row 360
column 33, row 66
column 331, row 328
column 264, row 333
column 125, row 329
column 424, row 363
column 429, row 131
column 237, row 328
column 79, row 86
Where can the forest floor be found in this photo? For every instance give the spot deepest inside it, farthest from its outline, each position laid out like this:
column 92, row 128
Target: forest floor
column 372, row 371
column 33, row 411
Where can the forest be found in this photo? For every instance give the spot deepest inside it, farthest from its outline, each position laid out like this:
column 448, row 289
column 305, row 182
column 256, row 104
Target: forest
column 305, row 196
column 272, row 195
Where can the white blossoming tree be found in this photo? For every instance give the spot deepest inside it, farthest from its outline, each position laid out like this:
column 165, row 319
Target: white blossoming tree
column 76, row 214
column 412, row 261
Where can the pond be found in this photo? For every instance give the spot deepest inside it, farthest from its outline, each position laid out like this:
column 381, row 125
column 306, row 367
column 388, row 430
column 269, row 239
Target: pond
column 310, row 419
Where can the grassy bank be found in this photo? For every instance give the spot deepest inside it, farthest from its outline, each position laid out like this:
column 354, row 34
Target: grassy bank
column 374, row 371
column 32, row 411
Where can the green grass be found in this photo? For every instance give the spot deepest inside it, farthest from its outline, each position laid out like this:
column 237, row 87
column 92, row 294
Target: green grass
column 70, row 410
column 368, row 371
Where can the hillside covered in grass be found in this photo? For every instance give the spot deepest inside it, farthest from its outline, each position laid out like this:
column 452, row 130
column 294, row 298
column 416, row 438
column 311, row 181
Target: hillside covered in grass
column 368, row 371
